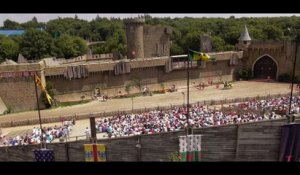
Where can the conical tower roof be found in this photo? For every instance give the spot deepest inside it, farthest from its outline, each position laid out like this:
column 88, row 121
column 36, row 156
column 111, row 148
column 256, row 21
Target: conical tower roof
column 245, row 35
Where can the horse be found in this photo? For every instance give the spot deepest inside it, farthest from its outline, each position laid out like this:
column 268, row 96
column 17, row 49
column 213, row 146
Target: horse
column 227, row 85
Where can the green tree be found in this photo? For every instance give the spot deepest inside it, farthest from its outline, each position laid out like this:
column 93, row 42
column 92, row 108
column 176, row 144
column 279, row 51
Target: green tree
column 176, row 50
column 273, row 33
column 8, row 24
column 80, row 46
column 37, row 44
column 9, row 48
column 218, row 43
column 70, row 26
column 71, row 46
column 34, row 24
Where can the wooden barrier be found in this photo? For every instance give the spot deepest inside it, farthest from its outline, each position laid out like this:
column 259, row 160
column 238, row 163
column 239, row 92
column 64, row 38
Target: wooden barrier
column 255, row 141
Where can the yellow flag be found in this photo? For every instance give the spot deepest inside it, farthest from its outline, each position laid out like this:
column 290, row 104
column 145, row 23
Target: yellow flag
column 49, row 98
column 39, row 82
column 42, row 87
column 95, row 152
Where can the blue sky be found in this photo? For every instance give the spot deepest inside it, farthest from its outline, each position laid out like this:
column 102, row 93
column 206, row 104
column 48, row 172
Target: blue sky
column 46, row 17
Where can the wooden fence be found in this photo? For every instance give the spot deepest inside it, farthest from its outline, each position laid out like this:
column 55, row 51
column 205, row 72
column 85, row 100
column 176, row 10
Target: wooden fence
column 256, row 141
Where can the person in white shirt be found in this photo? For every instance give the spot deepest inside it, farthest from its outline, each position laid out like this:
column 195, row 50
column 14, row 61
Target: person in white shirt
column 87, row 132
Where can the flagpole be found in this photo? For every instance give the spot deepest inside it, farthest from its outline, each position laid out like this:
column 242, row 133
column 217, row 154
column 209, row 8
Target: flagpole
column 38, row 106
column 188, row 92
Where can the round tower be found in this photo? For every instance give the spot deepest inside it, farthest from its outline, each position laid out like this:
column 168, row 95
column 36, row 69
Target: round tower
column 135, row 37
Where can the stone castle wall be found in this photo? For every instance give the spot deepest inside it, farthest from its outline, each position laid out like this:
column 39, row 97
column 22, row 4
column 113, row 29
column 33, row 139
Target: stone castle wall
column 17, row 88
column 281, row 51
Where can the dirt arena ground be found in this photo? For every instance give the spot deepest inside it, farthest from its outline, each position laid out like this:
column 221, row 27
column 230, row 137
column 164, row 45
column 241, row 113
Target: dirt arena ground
column 240, row 89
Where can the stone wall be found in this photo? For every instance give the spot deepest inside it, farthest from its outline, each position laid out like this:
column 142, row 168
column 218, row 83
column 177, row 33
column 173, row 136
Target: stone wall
column 18, row 93
column 151, row 76
column 283, row 53
column 156, row 41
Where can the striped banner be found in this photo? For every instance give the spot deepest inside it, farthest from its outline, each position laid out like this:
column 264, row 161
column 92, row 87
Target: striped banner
column 95, row 153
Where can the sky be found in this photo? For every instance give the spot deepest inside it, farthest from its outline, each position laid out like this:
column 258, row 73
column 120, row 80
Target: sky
column 46, row 17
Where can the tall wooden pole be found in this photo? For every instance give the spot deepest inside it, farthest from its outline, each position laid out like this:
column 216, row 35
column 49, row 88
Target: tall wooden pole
column 38, row 106
column 188, row 92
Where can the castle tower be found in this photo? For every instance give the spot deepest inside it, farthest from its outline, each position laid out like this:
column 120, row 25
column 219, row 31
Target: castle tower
column 244, row 40
column 135, row 37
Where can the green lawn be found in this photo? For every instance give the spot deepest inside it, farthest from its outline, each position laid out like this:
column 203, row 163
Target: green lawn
column 71, row 103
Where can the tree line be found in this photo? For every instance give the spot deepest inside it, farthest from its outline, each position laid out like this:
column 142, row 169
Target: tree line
column 66, row 37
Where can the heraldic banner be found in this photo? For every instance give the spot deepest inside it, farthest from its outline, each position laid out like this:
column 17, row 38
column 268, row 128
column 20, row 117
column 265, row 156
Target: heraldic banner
column 44, row 155
column 190, row 148
column 95, row 153
column 290, row 143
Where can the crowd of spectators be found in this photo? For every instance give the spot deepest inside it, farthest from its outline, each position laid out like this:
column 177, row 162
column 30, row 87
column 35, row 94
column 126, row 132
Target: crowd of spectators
column 158, row 121
column 35, row 137
column 200, row 116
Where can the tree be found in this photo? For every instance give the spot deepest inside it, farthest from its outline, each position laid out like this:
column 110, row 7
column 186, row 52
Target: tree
column 9, row 48
column 33, row 23
column 37, row 44
column 34, row 19
column 66, row 45
column 71, row 46
column 273, row 33
column 8, row 24
column 80, row 46
column 70, row 26
column 176, row 50
column 192, row 41
column 218, row 43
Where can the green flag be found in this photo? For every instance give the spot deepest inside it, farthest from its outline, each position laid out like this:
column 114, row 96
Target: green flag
column 198, row 56
column 193, row 55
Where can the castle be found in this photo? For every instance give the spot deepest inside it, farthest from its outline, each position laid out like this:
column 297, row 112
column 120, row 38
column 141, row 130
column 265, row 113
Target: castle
column 148, row 60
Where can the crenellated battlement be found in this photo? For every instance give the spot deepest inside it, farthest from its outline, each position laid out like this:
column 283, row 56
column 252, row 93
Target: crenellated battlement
column 138, row 20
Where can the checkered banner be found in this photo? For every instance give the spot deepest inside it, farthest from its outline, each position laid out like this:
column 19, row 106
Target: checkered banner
column 44, row 155
column 190, row 148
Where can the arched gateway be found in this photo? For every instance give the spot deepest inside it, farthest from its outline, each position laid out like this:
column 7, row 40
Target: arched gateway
column 264, row 67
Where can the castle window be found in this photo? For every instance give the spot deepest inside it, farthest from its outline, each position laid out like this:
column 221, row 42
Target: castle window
column 245, row 42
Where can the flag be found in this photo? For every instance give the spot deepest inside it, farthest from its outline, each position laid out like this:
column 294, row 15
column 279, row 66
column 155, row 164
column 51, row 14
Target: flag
column 290, row 143
column 197, row 147
column 95, row 153
column 198, row 56
column 44, row 155
column 193, row 55
column 39, row 83
column 182, row 148
column 190, row 148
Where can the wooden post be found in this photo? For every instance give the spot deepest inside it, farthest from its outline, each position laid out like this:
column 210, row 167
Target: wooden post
column 237, row 142
column 139, row 146
column 67, row 151
column 93, row 129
